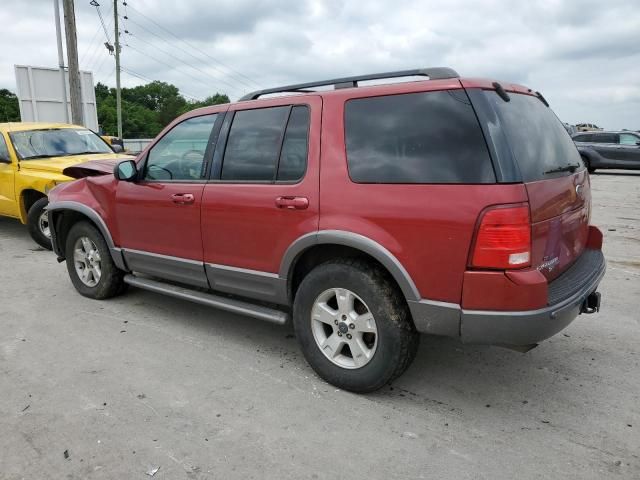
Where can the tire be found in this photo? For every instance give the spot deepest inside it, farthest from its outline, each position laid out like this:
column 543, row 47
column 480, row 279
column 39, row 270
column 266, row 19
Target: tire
column 38, row 223
column 390, row 350
column 587, row 164
column 87, row 241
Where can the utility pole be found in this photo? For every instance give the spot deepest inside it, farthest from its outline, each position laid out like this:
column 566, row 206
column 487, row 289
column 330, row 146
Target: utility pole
column 72, row 60
column 56, row 7
column 117, row 53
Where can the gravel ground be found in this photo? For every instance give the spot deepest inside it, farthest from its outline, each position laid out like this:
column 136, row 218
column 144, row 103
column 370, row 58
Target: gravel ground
column 111, row 390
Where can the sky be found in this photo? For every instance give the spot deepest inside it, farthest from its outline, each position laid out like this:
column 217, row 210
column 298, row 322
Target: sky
column 583, row 55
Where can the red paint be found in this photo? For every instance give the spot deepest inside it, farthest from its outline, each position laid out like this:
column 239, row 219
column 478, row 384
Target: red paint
column 241, row 224
column 594, row 241
column 522, row 290
column 560, row 218
column 428, row 228
column 150, row 219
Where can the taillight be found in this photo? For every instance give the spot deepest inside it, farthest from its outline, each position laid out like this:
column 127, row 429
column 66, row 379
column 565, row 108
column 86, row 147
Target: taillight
column 503, row 238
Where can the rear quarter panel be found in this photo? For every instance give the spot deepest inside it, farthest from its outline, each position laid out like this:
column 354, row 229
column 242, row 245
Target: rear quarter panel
column 428, row 228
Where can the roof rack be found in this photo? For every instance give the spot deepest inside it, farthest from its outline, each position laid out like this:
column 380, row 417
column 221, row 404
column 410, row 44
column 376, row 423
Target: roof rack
column 435, row 73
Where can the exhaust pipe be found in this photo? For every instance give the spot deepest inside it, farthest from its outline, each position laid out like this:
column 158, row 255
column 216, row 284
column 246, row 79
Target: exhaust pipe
column 591, row 304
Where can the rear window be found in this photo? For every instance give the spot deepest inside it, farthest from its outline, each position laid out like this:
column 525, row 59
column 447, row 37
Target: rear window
column 539, row 142
column 431, row 137
column 582, row 138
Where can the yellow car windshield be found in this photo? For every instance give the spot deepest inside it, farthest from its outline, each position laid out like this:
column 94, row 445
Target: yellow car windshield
column 57, row 142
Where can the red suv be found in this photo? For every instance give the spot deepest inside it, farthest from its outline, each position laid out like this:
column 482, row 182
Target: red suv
column 367, row 213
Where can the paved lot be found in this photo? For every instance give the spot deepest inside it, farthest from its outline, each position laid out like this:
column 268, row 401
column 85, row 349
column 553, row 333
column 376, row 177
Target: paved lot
column 145, row 381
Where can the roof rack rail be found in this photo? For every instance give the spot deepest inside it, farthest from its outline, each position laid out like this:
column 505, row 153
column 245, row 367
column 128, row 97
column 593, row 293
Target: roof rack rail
column 435, row 73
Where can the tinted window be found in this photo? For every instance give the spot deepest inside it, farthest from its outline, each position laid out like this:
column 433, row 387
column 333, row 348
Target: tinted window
column 4, row 152
column 537, row 138
column 293, row 158
column 628, row 139
column 605, row 138
column 429, row 137
column 253, row 144
column 179, row 155
column 582, row 138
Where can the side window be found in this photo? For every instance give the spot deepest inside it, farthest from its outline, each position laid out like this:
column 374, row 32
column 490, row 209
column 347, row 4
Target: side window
column 293, row 157
column 606, row 138
column 4, row 151
column 431, row 137
column 253, row 144
column 628, row 139
column 179, row 155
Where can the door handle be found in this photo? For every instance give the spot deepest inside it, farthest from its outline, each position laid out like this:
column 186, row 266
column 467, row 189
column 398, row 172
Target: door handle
column 183, row 198
column 292, row 203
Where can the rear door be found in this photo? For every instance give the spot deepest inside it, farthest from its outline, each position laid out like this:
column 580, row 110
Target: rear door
column 263, row 194
column 606, row 144
column 556, row 180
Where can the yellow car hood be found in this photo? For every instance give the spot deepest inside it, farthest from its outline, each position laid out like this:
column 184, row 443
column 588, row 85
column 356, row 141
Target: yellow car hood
column 58, row 164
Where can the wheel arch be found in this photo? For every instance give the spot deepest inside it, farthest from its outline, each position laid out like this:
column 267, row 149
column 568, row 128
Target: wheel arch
column 28, row 197
column 64, row 214
column 317, row 247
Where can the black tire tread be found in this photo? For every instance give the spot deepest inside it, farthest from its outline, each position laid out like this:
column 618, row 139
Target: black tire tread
column 391, row 297
column 111, row 283
column 33, row 215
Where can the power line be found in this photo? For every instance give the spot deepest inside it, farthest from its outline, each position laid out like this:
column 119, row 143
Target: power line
column 199, row 50
column 185, row 63
column 236, row 88
column 89, row 45
column 147, row 79
column 104, row 27
column 147, row 55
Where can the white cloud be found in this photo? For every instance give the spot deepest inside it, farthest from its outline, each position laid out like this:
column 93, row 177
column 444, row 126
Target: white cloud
column 583, row 55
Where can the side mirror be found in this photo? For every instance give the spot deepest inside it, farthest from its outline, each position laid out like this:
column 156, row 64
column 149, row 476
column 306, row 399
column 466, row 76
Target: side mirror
column 4, row 159
column 117, row 148
column 126, row 171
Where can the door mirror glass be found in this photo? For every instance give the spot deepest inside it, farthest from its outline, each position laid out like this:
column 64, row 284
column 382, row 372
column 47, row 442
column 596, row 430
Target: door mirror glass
column 5, row 159
column 117, row 148
column 126, row 171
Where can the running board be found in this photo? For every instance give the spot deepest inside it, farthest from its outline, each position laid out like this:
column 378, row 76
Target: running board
column 209, row 299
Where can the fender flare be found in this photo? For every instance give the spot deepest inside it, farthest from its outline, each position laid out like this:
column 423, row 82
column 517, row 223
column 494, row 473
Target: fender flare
column 353, row 240
column 92, row 215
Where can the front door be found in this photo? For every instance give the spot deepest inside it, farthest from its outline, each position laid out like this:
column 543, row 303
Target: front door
column 158, row 215
column 263, row 195
column 8, row 204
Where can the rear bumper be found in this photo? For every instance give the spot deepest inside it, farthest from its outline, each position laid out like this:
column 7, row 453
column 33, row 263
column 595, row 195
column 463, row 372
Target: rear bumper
column 532, row 326
column 566, row 294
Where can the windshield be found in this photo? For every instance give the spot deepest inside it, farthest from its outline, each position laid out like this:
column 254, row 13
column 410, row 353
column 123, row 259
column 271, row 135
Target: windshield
column 57, row 142
column 539, row 142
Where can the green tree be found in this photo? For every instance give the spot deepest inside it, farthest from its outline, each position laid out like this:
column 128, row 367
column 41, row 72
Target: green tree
column 146, row 109
column 9, row 107
column 216, row 99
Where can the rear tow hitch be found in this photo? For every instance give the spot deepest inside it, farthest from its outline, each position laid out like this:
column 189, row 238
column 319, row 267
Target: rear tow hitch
column 591, row 303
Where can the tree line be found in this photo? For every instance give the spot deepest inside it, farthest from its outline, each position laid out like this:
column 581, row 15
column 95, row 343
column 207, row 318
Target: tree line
column 146, row 109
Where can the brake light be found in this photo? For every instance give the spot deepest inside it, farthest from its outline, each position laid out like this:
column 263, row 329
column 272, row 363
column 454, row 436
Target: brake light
column 503, row 239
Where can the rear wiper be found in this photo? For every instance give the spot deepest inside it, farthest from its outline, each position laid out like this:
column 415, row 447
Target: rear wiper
column 569, row 167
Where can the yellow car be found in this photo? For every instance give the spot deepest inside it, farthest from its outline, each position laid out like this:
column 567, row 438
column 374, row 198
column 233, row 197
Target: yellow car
column 32, row 158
